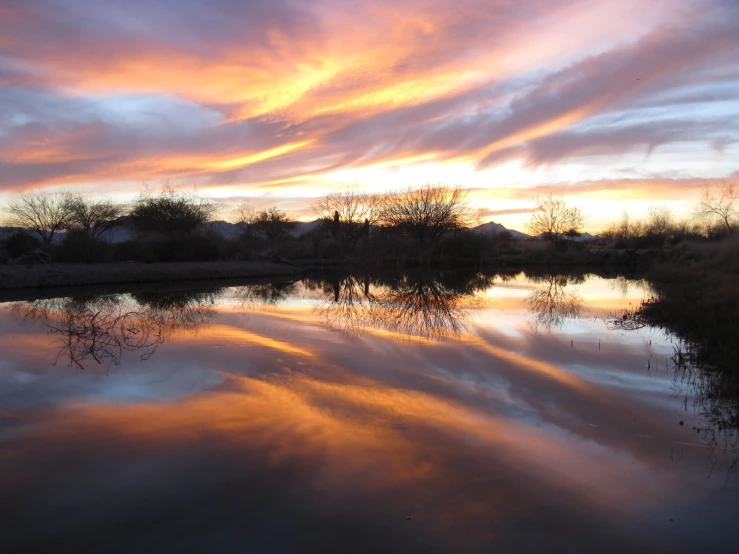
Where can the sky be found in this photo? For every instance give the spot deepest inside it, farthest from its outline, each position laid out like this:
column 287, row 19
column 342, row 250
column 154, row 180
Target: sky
column 616, row 105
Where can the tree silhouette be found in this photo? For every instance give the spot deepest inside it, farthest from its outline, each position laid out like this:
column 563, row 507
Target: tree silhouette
column 427, row 212
column 721, row 204
column 171, row 211
column 346, row 212
column 552, row 218
column 44, row 213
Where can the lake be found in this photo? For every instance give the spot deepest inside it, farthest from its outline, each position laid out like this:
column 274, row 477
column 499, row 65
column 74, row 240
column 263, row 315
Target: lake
column 412, row 413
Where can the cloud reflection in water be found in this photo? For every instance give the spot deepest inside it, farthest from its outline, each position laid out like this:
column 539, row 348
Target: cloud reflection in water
column 317, row 440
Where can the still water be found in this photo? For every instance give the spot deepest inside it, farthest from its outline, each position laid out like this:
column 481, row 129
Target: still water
column 352, row 414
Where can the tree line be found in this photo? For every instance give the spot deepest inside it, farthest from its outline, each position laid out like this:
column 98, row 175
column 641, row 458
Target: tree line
column 175, row 217
column 170, row 223
column 715, row 214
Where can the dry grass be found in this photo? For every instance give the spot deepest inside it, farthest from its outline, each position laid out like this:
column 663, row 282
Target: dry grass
column 721, row 256
column 698, row 299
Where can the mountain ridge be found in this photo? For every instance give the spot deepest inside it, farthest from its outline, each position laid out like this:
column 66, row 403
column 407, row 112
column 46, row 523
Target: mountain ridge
column 230, row 230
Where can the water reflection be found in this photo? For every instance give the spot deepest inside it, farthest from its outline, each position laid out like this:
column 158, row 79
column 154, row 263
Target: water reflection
column 180, row 309
column 426, row 306
column 265, row 294
column 710, row 387
column 348, row 302
column 715, row 398
column 102, row 329
column 553, row 303
column 266, row 433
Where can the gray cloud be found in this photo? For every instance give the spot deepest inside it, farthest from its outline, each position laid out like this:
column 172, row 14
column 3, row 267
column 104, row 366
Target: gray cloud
column 606, row 104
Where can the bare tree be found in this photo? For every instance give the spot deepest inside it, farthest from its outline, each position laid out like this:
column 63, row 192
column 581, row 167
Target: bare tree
column 171, row 210
column 720, row 203
column 271, row 223
column 553, row 218
column 350, row 213
column 243, row 214
column 95, row 217
column 44, row 213
column 660, row 221
column 427, row 212
column 625, row 227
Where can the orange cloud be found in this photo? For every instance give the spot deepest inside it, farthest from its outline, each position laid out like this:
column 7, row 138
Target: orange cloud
column 291, row 97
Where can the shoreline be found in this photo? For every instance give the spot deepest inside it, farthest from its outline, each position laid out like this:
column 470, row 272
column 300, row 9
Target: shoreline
column 71, row 276
column 51, row 280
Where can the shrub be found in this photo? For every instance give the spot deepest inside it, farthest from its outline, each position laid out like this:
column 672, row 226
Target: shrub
column 80, row 246
column 20, row 243
column 171, row 211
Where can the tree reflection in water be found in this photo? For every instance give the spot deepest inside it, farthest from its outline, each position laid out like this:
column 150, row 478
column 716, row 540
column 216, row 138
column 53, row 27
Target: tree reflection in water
column 264, row 294
column 422, row 306
column 552, row 303
column 104, row 328
column 349, row 302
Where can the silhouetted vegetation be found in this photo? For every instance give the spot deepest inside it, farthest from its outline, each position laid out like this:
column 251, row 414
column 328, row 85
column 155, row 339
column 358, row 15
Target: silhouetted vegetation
column 21, row 243
column 719, row 205
column 170, row 211
column 43, row 213
column 171, row 227
column 348, row 216
column 716, row 214
column 94, row 217
column 553, row 219
column 425, row 227
column 427, row 213
column 697, row 299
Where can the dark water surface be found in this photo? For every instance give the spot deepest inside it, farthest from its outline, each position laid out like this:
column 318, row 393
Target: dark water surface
column 415, row 414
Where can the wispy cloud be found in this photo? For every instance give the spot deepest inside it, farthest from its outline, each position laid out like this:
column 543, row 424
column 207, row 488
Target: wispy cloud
column 287, row 98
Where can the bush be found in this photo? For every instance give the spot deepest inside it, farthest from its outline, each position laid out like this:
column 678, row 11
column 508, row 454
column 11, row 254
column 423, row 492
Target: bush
column 171, row 211
column 197, row 247
column 21, row 243
column 128, row 251
column 80, row 246
column 464, row 246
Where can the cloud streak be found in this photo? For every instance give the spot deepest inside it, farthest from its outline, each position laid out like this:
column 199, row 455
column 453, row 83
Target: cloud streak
column 283, row 98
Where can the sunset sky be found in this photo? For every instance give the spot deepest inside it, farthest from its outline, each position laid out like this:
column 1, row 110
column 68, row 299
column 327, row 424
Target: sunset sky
column 617, row 104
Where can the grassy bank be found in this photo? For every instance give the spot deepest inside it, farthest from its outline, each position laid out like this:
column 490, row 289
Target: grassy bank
column 697, row 298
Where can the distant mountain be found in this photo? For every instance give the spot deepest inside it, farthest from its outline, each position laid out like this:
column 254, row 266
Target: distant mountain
column 224, row 229
column 304, row 227
column 120, row 234
column 231, row 230
column 5, row 232
column 125, row 231
column 492, row 228
column 584, row 237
